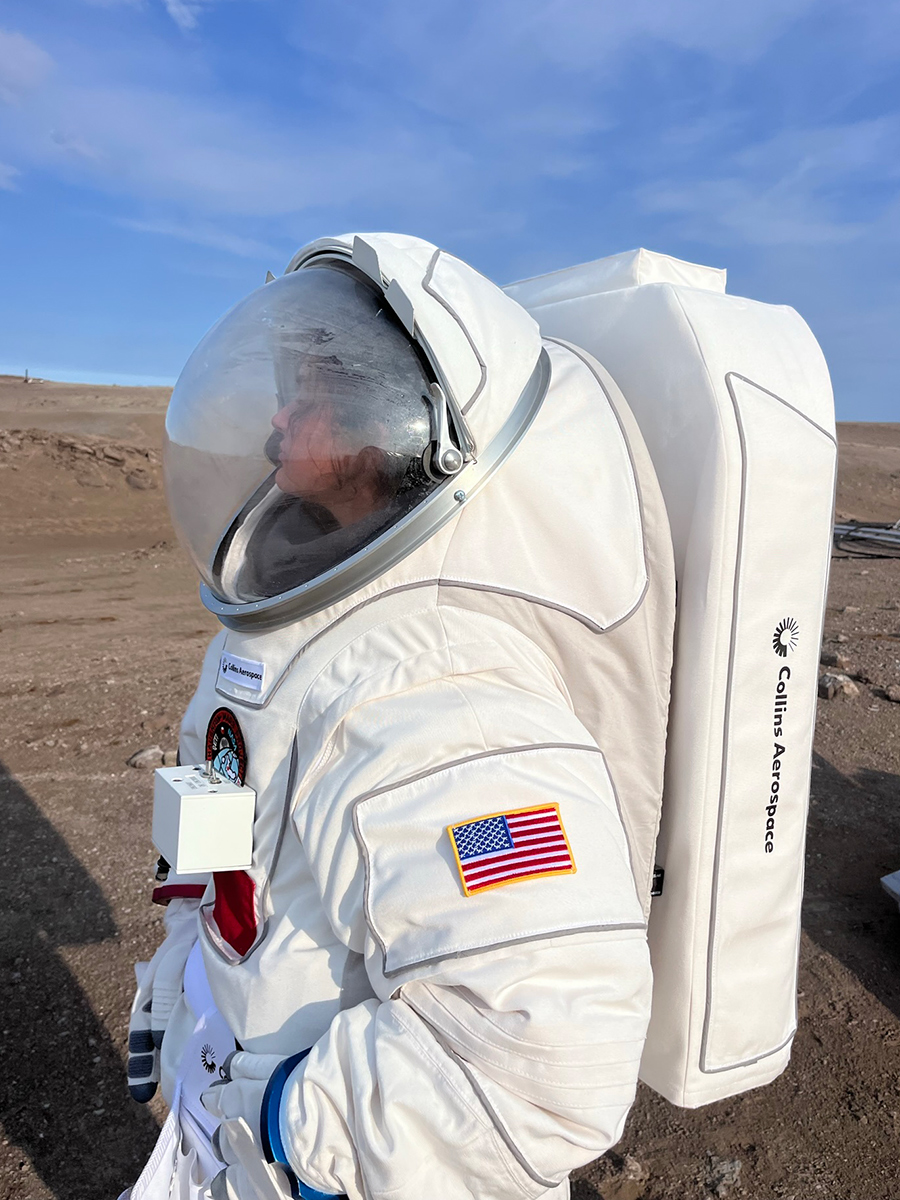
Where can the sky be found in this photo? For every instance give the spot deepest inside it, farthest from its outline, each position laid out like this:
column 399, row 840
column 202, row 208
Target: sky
column 157, row 157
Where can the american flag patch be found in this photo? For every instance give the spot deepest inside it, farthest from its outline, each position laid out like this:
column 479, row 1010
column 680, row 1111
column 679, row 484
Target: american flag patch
column 506, row 847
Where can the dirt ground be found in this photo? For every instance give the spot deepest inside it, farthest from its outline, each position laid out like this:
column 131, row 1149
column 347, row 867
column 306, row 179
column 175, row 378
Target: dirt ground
column 101, row 637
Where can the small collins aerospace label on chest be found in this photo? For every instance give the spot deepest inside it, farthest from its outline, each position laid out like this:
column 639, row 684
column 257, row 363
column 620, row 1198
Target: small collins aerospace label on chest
column 242, row 671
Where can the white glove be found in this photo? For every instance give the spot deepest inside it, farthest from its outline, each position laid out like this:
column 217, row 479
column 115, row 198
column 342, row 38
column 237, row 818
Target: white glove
column 240, row 1093
column 247, row 1175
column 238, row 1101
column 160, row 984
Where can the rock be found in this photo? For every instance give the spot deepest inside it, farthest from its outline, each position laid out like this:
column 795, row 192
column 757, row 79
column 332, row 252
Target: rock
column 147, row 759
column 829, row 658
column 170, row 758
column 621, row 1177
column 722, row 1173
column 837, row 685
column 155, row 724
column 113, row 456
column 892, row 605
column 632, row 1169
column 139, row 481
column 842, row 637
column 849, row 608
column 893, row 693
column 73, row 444
column 90, row 476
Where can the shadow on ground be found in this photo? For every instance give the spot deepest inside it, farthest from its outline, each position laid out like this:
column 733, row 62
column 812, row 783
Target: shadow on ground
column 845, row 909
column 62, row 1084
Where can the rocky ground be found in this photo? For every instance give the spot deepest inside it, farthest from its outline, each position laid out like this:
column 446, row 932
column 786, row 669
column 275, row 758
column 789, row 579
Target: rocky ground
column 101, row 635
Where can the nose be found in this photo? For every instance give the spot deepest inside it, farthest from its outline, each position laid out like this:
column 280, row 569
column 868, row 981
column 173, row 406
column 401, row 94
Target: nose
column 281, row 420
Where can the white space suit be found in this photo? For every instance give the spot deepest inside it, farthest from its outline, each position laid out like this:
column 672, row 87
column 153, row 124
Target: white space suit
column 456, row 736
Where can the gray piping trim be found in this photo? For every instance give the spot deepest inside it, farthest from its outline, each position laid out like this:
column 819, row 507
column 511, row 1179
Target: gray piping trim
column 216, row 941
column 405, row 587
column 748, row 1062
column 720, row 820
column 426, row 285
column 743, row 378
column 526, row 939
column 580, row 355
column 457, row 762
column 479, row 1092
column 409, row 587
column 560, row 608
column 447, row 766
column 622, row 822
column 426, row 583
column 401, row 539
column 499, row 1126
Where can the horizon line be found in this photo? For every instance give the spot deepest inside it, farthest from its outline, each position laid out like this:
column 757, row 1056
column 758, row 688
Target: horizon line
column 49, row 374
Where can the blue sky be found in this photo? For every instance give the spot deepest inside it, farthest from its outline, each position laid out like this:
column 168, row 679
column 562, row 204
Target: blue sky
column 158, row 156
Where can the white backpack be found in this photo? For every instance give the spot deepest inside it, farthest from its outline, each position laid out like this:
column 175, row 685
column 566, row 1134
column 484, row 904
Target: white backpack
column 734, row 402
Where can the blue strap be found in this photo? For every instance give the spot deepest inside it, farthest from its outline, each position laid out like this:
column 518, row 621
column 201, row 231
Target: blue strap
column 270, row 1128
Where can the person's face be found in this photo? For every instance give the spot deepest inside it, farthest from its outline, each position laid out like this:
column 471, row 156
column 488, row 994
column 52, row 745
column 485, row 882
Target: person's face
column 312, row 462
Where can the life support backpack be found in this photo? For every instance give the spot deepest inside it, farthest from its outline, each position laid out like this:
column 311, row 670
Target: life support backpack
column 734, row 402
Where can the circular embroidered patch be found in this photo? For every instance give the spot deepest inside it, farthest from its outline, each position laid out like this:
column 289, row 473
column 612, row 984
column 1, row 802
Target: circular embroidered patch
column 208, row 1058
column 225, row 745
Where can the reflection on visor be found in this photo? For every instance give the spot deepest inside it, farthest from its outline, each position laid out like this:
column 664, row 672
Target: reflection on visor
column 296, row 434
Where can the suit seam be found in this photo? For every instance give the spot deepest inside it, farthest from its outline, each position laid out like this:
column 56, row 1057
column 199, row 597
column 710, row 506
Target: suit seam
column 476, row 1109
column 501, row 1137
column 454, row 681
column 549, row 1046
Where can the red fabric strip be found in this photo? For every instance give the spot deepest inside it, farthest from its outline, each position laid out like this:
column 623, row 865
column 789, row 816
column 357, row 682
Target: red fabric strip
column 169, row 891
column 235, row 909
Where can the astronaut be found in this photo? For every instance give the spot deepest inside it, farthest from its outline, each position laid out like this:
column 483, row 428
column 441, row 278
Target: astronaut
column 443, row 569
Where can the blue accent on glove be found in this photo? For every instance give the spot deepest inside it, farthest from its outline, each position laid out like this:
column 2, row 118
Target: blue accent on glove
column 140, row 1041
column 270, row 1128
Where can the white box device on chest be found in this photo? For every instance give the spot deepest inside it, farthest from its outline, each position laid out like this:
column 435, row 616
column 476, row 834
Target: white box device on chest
column 201, row 821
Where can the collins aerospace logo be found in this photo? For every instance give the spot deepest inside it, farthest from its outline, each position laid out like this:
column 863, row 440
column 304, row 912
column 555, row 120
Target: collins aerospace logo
column 786, row 637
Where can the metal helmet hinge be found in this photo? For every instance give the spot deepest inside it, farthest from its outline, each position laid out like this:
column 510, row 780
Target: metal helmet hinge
column 444, row 457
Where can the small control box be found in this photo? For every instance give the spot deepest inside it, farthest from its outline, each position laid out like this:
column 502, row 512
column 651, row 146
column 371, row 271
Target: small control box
column 201, row 821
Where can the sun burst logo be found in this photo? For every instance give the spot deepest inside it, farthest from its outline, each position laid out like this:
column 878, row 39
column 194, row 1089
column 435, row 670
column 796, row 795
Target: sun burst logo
column 786, row 637
column 206, row 1057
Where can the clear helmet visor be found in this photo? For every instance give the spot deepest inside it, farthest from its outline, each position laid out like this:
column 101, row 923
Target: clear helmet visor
column 296, row 434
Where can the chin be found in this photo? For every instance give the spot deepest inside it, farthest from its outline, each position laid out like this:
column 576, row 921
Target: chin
column 283, row 483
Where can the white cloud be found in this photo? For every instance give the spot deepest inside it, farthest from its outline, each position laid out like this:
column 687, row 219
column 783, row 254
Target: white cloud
column 788, row 190
column 484, row 57
column 520, row 95
column 23, row 66
column 8, row 177
column 735, row 210
column 183, row 12
column 210, row 157
column 584, row 32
